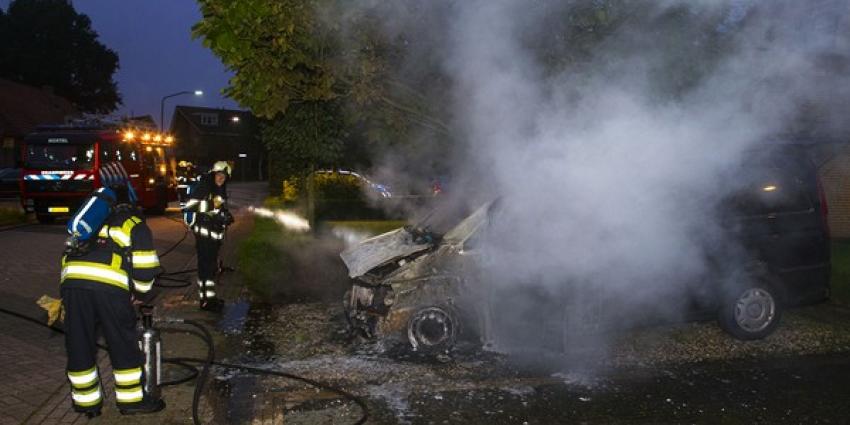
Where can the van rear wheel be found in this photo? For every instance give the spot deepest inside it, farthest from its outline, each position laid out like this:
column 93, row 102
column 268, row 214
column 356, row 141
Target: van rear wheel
column 750, row 313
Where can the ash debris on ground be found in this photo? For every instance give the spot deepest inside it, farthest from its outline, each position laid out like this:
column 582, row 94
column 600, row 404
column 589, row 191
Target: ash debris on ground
column 310, row 340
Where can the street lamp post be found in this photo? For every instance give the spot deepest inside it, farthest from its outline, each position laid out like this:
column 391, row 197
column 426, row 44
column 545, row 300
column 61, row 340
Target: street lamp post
column 243, row 159
column 162, row 105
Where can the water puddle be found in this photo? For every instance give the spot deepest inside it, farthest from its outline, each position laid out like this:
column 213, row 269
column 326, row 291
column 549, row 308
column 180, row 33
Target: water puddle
column 244, row 324
column 234, row 317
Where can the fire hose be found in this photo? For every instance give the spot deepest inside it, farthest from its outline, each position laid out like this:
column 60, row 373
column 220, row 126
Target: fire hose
column 186, row 363
column 172, row 276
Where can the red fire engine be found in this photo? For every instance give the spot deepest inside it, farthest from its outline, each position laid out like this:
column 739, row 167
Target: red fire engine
column 60, row 166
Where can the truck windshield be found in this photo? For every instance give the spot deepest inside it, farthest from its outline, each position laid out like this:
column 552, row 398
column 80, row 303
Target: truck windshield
column 60, row 157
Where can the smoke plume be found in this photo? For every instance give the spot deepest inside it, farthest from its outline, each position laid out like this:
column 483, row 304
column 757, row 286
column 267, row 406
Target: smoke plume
column 606, row 140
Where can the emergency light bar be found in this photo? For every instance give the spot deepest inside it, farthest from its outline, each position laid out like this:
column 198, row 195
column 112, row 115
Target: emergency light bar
column 150, row 138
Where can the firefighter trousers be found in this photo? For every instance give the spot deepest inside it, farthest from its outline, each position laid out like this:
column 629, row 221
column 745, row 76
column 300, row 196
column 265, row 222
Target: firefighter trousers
column 88, row 311
column 207, row 249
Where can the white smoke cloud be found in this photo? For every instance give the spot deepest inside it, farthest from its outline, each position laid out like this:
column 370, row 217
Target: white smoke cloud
column 607, row 177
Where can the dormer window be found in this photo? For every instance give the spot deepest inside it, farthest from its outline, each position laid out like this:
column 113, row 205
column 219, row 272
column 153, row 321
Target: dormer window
column 209, row 119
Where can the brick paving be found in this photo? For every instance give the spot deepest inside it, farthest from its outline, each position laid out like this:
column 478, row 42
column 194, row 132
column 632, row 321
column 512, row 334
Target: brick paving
column 33, row 359
column 33, row 389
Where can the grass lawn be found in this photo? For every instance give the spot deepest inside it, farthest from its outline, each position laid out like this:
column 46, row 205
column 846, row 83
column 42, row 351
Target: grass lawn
column 841, row 271
column 277, row 264
column 10, row 216
column 259, row 257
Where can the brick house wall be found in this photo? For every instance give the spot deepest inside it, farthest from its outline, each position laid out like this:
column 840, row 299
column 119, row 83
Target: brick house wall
column 835, row 177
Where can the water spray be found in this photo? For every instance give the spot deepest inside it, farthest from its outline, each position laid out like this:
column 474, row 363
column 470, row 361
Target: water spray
column 287, row 219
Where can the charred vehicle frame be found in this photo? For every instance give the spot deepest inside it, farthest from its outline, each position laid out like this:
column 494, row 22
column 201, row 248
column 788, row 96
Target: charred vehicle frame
column 424, row 289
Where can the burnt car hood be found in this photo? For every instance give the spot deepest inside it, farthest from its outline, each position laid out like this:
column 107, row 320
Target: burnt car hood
column 379, row 250
column 397, row 244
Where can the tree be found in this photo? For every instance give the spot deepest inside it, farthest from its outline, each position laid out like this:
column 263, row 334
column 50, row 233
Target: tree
column 47, row 43
column 289, row 59
column 377, row 70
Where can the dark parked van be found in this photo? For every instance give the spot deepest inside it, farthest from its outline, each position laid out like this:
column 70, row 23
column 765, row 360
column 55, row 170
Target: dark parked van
column 778, row 212
column 410, row 284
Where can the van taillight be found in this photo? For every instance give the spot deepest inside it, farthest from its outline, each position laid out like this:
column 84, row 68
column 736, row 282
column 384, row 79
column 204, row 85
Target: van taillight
column 824, row 209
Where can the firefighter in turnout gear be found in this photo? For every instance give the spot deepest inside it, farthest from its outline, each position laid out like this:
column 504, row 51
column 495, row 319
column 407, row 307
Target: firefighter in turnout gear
column 97, row 284
column 207, row 215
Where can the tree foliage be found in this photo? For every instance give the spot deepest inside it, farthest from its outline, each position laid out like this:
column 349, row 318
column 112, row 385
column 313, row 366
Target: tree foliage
column 382, row 85
column 293, row 59
column 47, row 43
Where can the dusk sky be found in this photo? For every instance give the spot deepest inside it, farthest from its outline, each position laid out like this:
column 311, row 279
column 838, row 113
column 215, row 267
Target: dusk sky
column 157, row 54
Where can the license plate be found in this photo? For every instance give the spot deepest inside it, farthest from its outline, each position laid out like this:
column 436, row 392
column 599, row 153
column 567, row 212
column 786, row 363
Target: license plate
column 58, row 209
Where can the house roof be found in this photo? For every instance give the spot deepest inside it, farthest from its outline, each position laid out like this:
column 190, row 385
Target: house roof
column 23, row 107
column 221, row 125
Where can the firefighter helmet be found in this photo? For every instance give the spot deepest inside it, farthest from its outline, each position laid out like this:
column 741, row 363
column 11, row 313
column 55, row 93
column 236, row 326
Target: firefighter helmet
column 221, row 167
column 113, row 175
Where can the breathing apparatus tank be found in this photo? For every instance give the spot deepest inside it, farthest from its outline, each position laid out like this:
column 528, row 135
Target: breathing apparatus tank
column 87, row 221
column 150, row 344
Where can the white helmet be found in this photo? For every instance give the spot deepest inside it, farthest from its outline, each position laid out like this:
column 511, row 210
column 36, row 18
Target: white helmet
column 221, row 166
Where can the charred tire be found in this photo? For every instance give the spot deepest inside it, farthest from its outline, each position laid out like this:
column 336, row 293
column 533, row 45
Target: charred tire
column 432, row 329
column 751, row 312
column 45, row 218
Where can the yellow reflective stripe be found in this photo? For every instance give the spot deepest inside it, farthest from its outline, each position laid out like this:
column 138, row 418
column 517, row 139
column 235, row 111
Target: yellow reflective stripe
column 120, row 237
column 203, row 231
column 142, row 285
column 145, row 259
column 128, row 395
column 128, row 376
column 83, row 379
column 93, row 271
column 86, row 398
column 116, row 262
column 128, row 225
column 104, row 232
column 82, row 372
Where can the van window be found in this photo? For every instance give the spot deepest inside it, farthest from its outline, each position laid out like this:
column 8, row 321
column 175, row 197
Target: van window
column 774, row 186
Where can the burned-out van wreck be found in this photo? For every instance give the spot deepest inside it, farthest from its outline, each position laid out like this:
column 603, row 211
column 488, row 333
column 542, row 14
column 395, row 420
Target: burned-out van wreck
column 425, row 288
column 408, row 284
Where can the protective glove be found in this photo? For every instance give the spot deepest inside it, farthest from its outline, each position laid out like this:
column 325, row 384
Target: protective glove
column 54, row 308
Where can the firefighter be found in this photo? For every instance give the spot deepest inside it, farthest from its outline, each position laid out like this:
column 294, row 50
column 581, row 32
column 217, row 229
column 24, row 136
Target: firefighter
column 187, row 175
column 97, row 286
column 207, row 215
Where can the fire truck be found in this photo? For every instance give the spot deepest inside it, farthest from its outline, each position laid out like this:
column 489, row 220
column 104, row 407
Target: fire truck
column 60, row 166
